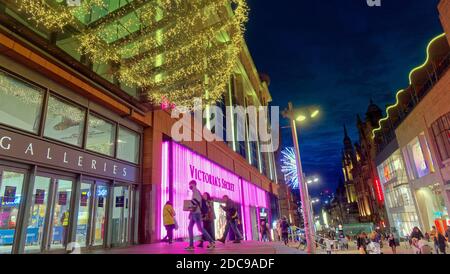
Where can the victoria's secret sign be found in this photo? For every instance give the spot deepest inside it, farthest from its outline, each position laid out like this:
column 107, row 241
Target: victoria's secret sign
column 41, row 152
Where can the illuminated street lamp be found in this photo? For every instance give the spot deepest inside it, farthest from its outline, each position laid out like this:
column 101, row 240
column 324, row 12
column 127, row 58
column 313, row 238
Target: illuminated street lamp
column 295, row 116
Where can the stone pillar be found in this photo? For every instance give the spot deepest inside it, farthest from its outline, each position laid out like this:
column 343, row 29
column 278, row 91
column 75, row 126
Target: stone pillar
column 145, row 211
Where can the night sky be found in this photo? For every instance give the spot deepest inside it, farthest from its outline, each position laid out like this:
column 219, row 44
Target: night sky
column 338, row 54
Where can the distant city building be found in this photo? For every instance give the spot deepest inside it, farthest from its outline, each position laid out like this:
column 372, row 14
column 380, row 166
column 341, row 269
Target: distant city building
column 361, row 183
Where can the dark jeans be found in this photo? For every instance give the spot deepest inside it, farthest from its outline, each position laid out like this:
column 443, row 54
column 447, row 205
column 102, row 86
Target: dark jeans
column 169, row 229
column 196, row 219
column 64, row 236
column 285, row 237
column 233, row 225
column 208, row 226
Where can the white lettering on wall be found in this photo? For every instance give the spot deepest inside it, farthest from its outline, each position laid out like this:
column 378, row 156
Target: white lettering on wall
column 115, row 169
column 48, row 153
column 65, row 158
column 80, row 161
column 3, row 144
column 124, row 172
column 30, row 149
column 104, row 167
column 94, row 162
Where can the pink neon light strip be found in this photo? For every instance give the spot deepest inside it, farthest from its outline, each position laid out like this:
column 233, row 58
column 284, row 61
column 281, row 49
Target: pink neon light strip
column 183, row 160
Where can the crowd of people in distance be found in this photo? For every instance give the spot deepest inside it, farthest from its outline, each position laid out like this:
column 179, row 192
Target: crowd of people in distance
column 202, row 216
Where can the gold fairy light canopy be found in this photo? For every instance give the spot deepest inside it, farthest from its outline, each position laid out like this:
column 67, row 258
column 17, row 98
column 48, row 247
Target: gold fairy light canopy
column 173, row 50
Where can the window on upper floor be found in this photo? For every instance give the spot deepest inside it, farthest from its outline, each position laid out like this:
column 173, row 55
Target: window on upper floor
column 20, row 103
column 64, row 121
column 101, row 135
column 128, row 143
column 441, row 132
column 417, row 154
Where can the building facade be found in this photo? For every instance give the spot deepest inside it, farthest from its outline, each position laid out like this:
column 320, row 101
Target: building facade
column 85, row 159
column 361, row 181
column 414, row 143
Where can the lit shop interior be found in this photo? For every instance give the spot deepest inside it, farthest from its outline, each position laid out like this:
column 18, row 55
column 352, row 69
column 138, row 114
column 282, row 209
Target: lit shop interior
column 181, row 165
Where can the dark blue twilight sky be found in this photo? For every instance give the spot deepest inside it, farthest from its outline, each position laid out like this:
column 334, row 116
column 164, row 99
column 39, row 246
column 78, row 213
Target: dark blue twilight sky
column 337, row 54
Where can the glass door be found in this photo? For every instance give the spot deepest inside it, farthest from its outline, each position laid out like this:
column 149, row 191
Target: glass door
column 100, row 215
column 84, row 210
column 120, row 218
column 61, row 214
column 11, row 185
column 38, row 214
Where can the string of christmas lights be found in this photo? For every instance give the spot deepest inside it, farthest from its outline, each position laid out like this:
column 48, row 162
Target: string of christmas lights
column 172, row 49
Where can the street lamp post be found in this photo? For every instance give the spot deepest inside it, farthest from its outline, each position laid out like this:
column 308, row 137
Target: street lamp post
column 309, row 181
column 289, row 113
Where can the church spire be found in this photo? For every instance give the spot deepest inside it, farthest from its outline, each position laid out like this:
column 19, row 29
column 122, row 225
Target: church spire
column 345, row 131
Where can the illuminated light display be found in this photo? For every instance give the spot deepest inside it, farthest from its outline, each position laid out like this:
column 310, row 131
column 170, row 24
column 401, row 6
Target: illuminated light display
column 374, row 131
column 378, row 190
column 289, row 167
column 172, row 49
column 185, row 166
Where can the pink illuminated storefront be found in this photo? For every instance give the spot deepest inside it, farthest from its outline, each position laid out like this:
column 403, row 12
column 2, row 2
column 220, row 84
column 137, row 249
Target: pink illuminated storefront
column 181, row 165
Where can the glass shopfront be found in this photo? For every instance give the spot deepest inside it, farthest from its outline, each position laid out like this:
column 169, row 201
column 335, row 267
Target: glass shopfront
column 399, row 201
column 67, row 173
column 11, row 186
column 181, row 165
column 48, row 221
column 431, row 204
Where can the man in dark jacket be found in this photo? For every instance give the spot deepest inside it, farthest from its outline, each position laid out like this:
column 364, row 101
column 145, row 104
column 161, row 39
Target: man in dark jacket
column 284, row 230
column 232, row 217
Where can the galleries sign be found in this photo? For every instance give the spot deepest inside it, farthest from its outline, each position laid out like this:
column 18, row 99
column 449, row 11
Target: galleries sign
column 41, row 152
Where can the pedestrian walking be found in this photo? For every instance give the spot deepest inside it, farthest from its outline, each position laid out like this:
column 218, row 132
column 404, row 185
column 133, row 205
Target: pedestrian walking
column 447, row 234
column 329, row 245
column 195, row 217
column 361, row 243
column 278, row 229
column 208, row 216
column 434, row 239
column 392, row 243
column 285, row 230
column 264, row 231
column 441, row 242
column 416, row 233
column 232, row 218
column 169, row 221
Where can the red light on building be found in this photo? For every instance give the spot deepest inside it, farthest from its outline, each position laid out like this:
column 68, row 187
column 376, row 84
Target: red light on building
column 378, row 190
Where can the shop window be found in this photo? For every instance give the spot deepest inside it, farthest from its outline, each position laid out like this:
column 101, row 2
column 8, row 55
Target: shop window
column 431, row 205
column 441, row 132
column 64, row 122
column 128, row 145
column 101, row 135
column 10, row 202
column 420, row 157
column 20, row 104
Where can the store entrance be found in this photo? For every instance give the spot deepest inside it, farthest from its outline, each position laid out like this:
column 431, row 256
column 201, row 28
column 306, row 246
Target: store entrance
column 92, row 215
column 120, row 220
column 48, row 219
column 11, row 186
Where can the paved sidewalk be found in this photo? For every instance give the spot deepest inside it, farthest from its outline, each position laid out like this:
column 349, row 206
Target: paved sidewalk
column 250, row 247
column 404, row 248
